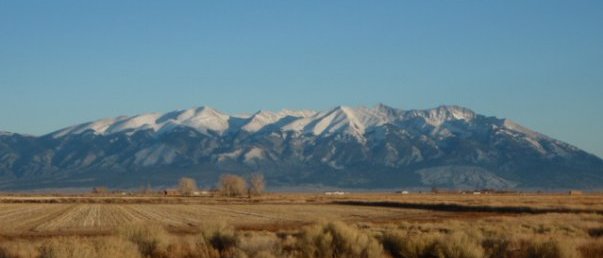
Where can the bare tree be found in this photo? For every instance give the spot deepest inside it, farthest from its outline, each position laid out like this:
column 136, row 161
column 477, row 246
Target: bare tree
column 256, row 184
column 187, row 186
column 231, row 185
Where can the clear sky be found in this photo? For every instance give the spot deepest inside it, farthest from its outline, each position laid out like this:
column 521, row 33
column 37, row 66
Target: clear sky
column 539, row 63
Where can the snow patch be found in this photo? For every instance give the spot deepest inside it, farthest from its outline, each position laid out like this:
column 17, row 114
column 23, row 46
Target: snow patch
column 254, row 153
column 230, row 155
column 508, row 124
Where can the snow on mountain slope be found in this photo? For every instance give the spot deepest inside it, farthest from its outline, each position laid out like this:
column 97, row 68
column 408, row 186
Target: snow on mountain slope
column 508, row 124
column 263, row 118
column 260, row 119
column 201, row 119
column 437, row 116
column 339, row 119
column 5, row 133
column 354, row 121
column 99, row 127
column 139, row 122
column 556, row 147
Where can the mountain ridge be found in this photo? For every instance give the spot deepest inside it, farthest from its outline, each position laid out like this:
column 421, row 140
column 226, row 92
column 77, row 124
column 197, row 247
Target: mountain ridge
column 189, row 117
column 365, row 147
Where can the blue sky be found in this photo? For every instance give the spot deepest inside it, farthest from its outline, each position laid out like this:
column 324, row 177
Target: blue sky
column 539, row 63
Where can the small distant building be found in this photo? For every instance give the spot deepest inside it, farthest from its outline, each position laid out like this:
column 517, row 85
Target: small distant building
column 402, row 192
column 199, row 193
column 171, row 192
column 334, row 193
column 575, row 192
column 123, row 193
column 477, row 193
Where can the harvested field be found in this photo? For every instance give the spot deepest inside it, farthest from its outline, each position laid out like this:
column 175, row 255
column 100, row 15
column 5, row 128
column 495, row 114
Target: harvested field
column 39, row 218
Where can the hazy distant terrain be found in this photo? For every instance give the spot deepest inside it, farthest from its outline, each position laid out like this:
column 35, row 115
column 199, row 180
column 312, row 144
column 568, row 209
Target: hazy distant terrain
column 352, row 147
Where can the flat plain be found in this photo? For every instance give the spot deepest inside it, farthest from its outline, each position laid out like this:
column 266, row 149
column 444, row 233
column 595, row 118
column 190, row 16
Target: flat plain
column 526, row 222
column 22, row 215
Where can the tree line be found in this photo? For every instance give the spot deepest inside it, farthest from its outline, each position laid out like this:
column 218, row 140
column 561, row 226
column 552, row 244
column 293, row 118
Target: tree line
column 229, row 185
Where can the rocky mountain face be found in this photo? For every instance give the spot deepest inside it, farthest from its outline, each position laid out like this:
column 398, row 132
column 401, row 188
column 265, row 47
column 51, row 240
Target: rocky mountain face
column 377, row 147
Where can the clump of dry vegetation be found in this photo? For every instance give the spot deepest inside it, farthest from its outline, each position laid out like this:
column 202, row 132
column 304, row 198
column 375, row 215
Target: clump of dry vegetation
column 149, row 239
column 336, row 239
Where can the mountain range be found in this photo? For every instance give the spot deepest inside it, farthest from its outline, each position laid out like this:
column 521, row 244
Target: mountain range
column 376, row 147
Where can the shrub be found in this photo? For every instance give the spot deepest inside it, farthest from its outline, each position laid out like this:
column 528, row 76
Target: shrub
column 458, row 245
column 596, row 232
column 336, row 239
column 221, row 237
column 497, row 247
column 548, row 248
column 184, row 247
column 260, row 244
column 403, row 245
column 150, row 239
column 204, row 248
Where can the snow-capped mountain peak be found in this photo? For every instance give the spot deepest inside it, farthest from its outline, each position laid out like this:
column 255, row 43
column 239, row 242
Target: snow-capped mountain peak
column 437, row 116
column 339, row 119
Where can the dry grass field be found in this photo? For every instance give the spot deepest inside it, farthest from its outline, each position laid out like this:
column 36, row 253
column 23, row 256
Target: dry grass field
column 74, row 217
column 303, row 225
